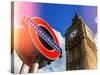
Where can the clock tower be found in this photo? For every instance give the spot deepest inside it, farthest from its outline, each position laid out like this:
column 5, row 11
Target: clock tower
column 80, row 46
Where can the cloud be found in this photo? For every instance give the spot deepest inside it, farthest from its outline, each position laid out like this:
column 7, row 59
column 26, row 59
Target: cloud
column 59, row 64
column 18, row 63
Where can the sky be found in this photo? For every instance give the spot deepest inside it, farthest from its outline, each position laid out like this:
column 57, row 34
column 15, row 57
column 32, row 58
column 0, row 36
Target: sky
column 59, row 17
column 59, row 64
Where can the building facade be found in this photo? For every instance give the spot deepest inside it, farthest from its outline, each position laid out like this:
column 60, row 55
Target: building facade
column 81, row 52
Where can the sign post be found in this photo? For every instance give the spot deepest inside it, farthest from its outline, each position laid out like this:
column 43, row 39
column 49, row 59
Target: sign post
column 36, row 44
column 34, row 67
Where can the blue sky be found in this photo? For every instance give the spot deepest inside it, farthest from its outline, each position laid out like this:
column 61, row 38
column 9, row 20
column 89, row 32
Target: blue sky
column 60, row 16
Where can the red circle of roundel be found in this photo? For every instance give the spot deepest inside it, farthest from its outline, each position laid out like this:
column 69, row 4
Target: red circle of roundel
column 50, row 54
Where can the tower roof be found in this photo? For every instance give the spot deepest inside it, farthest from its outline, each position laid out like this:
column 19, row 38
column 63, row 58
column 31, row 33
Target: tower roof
column 75, row 21
column 76, row 17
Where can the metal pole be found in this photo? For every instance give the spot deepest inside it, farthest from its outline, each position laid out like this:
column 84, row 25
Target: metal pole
column 22, row 68
column 34, row 68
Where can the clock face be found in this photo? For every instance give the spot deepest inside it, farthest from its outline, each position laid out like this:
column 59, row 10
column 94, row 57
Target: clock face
column 73, row 34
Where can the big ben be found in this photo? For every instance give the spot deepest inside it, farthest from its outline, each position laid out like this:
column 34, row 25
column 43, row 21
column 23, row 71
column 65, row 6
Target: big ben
column 80, row 46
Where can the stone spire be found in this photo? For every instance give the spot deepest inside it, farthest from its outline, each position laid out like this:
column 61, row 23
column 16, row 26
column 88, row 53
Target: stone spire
column 77, row 19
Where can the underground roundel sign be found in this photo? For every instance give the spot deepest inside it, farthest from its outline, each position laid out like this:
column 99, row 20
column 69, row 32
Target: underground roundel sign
column 36, row 38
